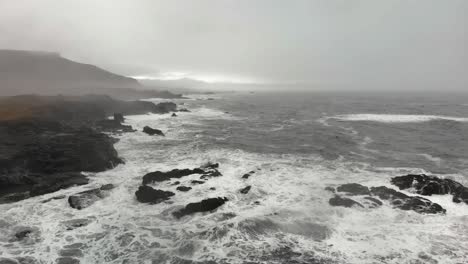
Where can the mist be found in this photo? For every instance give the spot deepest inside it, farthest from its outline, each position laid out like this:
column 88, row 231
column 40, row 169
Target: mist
column 304, row 45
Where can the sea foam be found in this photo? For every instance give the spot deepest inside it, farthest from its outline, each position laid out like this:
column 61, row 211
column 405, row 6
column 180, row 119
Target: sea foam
column 394, row 118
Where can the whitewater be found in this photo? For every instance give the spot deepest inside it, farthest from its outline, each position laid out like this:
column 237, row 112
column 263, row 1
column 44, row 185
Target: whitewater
column 295, row 146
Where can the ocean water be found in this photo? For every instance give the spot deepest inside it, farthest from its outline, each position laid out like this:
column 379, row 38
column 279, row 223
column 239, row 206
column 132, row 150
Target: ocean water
column 297, row 144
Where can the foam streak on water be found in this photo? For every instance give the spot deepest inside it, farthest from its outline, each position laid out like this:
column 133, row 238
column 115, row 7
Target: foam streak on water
column 388, row 118
column 285, row 218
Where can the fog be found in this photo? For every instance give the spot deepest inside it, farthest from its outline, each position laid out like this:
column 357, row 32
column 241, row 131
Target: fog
column 314, row 45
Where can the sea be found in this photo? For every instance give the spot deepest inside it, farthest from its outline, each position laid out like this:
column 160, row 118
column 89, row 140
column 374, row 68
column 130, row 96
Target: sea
column 296, row 145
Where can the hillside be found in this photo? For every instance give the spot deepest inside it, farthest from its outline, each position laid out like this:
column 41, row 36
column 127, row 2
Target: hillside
column 45, row 73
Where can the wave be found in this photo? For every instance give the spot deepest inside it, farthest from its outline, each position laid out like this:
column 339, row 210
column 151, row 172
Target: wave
column 394, row 118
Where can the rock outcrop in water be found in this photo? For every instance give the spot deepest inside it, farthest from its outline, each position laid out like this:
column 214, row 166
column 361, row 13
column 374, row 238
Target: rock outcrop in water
column 146, row 194
column 46, row 142
column 206, row 205
column 85, row 199
column 364, row 197
column 152, row 131
column 159, row 176
column 430, row 185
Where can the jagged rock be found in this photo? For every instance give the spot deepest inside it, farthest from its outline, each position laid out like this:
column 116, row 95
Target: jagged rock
column 405, row 202
column 146, row 194
column 119, row 117
column 184, row 188
column 159, row 176
column 67, row 260
column 174, row 115
column 353, row 189
column 197, row 182
column 85, row 199
column 247, row 175
column 206, row 205
column 245, row 190
column 20, row 235
column 429, row 185
column 345, row 202
column 152, row 131
column 110, row 125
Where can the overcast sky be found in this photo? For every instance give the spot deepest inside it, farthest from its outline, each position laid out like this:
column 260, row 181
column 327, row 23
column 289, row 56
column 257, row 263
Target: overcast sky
column 391, row 44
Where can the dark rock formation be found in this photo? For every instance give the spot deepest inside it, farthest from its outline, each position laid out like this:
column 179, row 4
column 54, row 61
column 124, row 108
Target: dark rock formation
column 429, row 185
column 39, row 156
column 152, row 131
column 247, row 175
column 345, row 202
column 362, row 196
column 159, row 176
column 353, row 189
column 207, row 171
column 146, row 194
column 110, row 125
column 184, row 110
column 245, row 190
column 85, row 199
column 118, row 117
column 206, row 205
column 405, row 202
column 174, row 115
column 197, row 182
column 330, row 189
column 184, row 188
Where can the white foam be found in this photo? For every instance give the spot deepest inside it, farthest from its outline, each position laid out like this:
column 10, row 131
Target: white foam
column 389, row 118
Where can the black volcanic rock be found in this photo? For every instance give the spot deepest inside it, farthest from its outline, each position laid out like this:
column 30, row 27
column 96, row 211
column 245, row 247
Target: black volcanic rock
column 174, row 115
column 405, row 202
column 87, row 198
column 184, row 188
column 206, row 205
column 245, row 190
column 429, row 185
column 40, row 156
column 345, row 202
column 146, row 194
column 353, row 189
column 159, row 176
column 152, row 131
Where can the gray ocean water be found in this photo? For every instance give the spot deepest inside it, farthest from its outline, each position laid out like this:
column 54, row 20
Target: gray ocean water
column 297, row 144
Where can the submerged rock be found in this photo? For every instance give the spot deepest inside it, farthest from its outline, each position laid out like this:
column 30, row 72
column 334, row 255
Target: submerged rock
column 345, row 202
column 146, row 194
column 152, row 131
column 184, row 188
column 429, row 185
column 353, row 189
column 405, row 202
column 206, row 205
column 197, row 182
column 247, row 175
column 245, row 190
column 85, row 199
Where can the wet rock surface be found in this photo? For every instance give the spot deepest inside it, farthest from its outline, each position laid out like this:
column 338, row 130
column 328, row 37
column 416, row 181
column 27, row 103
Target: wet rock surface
column 364, row 197
column 245, row 190
column 184, row 188
column 146, row 194
column 430, row 185
column 207, row 171
column 152, row 131
column 206, row 205
column 87, row 198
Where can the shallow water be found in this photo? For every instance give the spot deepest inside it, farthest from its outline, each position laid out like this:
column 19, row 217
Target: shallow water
column 297, row 145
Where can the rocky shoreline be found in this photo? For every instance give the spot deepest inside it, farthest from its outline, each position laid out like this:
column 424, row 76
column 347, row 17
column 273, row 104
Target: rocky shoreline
column 47, row 142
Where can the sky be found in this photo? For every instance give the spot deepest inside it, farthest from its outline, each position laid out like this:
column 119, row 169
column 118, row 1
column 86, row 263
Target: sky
column 322, row 44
